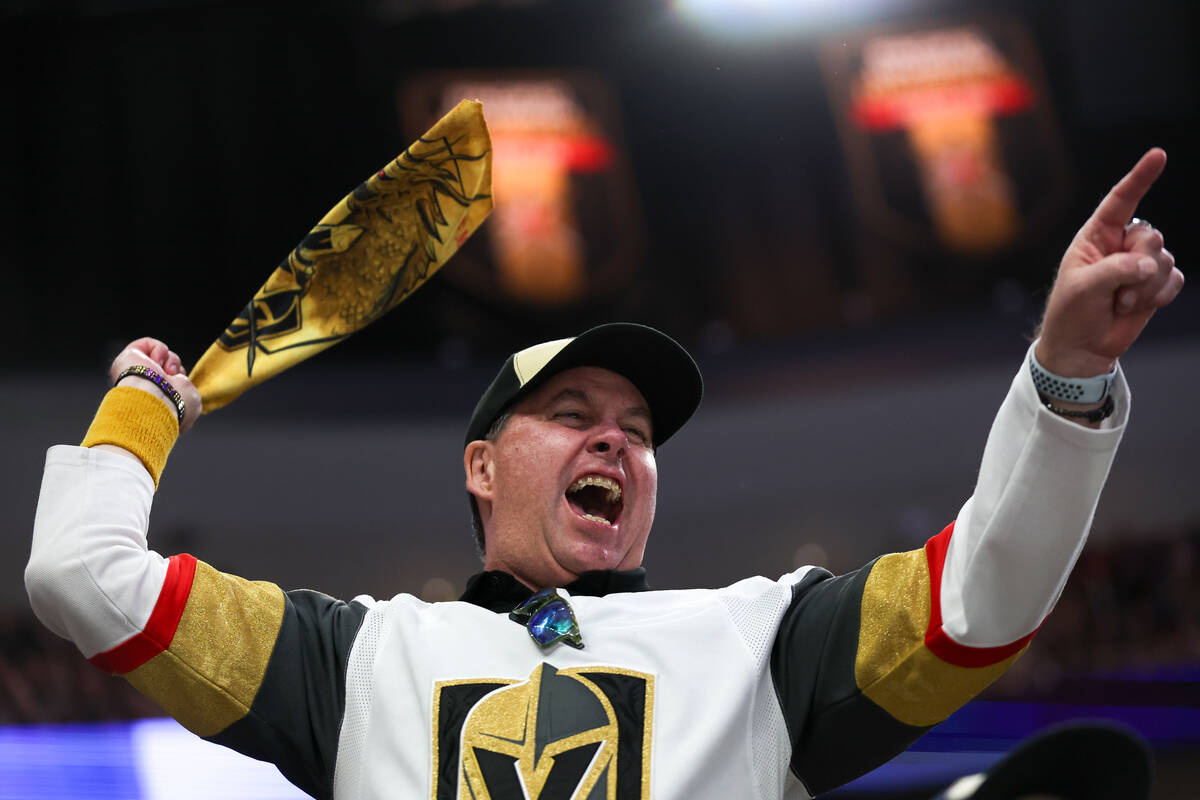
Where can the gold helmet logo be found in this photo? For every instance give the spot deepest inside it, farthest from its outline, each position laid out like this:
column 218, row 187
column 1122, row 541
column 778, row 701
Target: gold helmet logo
column 553, row 734
column 581, row 733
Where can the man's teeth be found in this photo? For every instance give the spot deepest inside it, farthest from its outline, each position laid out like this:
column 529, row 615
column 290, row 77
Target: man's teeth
column 594, row 518
column 614, row 488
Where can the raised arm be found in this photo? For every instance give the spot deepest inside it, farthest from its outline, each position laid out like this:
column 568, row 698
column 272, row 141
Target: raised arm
column 909, row 638
column 1042, row 471
column 239, row 662
column 94, row 508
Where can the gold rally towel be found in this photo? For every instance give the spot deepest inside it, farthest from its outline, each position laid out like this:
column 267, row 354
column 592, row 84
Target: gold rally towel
column 372, row 250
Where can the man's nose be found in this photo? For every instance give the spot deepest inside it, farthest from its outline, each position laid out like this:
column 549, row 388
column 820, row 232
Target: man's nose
column 608, row 438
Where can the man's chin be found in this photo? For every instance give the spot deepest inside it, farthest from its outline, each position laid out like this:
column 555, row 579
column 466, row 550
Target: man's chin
column 589, row 556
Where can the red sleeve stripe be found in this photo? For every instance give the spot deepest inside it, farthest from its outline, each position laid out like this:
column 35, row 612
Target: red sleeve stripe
column 936, row 639
column 160, row 628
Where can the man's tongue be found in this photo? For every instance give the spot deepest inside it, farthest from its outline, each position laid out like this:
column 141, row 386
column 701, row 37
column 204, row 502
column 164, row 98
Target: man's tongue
column 593, row 503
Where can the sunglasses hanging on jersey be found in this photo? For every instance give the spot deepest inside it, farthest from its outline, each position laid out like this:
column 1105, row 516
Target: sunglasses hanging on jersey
column 549, row 619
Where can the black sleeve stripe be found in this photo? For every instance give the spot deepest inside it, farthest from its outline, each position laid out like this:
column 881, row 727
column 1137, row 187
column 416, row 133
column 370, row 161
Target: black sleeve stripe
column 850, row 738
column 837, row 733
column 296, row 716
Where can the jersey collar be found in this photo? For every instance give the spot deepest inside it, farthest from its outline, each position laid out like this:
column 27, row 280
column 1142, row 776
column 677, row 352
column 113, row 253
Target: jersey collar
column 498, row 591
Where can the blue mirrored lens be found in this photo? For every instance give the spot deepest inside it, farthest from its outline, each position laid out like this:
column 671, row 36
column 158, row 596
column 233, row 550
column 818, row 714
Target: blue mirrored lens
column 551, row 622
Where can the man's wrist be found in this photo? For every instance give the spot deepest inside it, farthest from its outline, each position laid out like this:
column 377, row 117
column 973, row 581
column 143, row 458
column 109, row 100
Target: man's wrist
column 1092, row 390
column 1072, row 365
column 130, row 420
column 143, row 385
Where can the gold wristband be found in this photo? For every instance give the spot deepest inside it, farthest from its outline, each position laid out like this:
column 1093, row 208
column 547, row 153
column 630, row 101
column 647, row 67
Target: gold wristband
column 136, row 421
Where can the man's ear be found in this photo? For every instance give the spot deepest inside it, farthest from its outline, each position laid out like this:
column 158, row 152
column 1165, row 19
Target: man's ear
column 480, row 469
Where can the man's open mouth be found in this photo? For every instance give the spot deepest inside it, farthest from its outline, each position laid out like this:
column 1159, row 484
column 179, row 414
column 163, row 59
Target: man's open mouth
column 596, row 498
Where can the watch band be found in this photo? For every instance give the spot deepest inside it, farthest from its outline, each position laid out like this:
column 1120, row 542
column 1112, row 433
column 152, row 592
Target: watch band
column 1069, row 390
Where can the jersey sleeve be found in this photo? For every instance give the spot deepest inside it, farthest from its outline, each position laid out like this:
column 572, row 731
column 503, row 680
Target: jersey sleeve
column 865, row 663
column 239, row 662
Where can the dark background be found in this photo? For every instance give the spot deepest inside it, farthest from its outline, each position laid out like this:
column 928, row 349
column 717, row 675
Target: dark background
column 164, row 156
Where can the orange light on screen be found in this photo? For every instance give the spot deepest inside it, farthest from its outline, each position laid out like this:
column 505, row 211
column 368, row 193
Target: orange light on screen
column 944, row 88
column 541, row 136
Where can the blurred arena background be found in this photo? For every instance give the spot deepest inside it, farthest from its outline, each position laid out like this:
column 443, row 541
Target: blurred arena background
column 849, row 212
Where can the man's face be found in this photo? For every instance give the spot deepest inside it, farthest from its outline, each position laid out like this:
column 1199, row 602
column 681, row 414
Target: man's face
column 570, row 483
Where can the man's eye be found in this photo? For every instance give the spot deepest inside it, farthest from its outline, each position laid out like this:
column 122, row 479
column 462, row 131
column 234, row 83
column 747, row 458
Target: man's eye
column 571, row 415
column 637, row 434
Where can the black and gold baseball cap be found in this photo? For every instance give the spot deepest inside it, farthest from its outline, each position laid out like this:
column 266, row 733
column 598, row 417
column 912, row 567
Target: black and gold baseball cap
column 656, row 364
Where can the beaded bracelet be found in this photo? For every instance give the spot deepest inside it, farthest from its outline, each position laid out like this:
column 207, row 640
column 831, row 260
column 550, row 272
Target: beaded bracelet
column 1095, row 415
column 159, row 381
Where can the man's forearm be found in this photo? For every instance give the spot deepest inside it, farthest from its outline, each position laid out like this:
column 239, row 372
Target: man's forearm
column 90, row 575
column 1018, row 536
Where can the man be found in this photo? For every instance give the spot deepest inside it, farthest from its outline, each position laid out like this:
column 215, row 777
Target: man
column 558, row 674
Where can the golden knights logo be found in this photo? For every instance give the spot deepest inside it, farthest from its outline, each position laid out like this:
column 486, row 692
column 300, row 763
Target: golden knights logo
column 574, row 734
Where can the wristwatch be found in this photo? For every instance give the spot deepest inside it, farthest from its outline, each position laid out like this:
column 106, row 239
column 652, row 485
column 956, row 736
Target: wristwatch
column 1053, row 387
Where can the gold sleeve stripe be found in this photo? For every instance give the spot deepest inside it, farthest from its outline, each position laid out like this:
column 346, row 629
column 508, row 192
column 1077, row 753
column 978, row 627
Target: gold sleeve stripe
column 893, row 666
column 138, row 422
column 209, row 676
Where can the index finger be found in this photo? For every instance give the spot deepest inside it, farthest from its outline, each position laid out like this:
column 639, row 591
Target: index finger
column 1117, row 207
